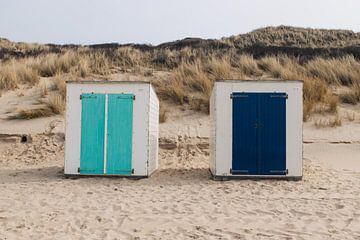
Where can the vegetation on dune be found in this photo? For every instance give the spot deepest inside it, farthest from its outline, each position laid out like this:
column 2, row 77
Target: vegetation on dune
column 32, row 113
column 192, row 69
column 13, row 73
column 295, row 37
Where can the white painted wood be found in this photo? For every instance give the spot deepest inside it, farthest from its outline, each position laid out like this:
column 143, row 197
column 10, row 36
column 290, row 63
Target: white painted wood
column 153, row 131
column 212, row 143
column 221, row 116
column 140, row 149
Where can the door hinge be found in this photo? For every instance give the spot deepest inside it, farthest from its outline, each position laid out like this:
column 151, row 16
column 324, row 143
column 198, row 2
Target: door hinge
column 280, row 171
column 78, row 170
column 238, row 96
column 133, row 97
column 230, row 170
column 279, row 96
column 132, row 171
column 239, row 171
column 80, row 97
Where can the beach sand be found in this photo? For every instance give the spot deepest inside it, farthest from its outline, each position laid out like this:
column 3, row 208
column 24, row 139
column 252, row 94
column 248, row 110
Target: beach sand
column 180, row 201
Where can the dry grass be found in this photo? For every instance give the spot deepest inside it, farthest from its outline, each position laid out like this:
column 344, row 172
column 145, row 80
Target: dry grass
column 193, row 76
column 342, row 71
column 43, row 89
column 60, row 85
column 8, row 77
column 350, row 116
column 127, row 57
column 13, row 73
column 220, row 68
column 26, row 74
column 295, row 37
column 192, row 82
column 43, row 111
column 315, row 91
column 272, row 66
column 248, row 65
column 171, row 90
column 282, row 67
column 329, row 122
column 328, row 105
column 51, row 64
column 163, row 113
column 192, row 72
column 56, row 103
column 352, row 96
column 53, row 105
column 79, row 63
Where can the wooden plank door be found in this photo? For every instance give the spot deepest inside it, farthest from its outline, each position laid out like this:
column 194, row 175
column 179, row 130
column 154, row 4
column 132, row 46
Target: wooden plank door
column 92, row 134
column 244, row 145
column 119, row 134
column 272, row 134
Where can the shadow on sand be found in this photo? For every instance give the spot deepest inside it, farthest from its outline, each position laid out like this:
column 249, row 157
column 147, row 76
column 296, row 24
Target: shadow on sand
column 56, row 173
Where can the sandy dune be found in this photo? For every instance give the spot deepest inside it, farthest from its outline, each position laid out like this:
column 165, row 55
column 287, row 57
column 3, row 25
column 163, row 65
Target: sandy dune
column 179, row 201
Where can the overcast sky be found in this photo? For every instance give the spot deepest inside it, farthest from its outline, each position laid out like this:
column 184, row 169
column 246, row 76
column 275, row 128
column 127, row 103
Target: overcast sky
column 156, row 21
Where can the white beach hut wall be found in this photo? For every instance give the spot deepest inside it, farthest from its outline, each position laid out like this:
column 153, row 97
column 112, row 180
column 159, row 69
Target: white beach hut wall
column 112, row 128
column 256, row 129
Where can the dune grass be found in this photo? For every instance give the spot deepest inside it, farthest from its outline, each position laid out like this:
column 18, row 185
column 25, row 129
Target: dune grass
column 27, row 114
column 14, row 73
column 56, row 103
column 60, row 85
column 52, row 105
column 163, row 113
column 329, row 122
column 192, row 72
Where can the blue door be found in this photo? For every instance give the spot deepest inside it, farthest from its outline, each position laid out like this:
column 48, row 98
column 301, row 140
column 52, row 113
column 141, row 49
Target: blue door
column 92, row 134
column 259, row 133
column 245, row 112
column 272, row 133
column 119, row 139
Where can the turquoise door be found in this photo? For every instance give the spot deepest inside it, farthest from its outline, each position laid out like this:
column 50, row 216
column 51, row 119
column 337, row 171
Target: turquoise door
column 119, row 134
column 92, row 134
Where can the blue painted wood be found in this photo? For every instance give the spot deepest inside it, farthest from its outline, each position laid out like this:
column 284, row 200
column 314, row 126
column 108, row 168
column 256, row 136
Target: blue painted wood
column 244, row 146
column 272, row 134
column 259, row 133
column 119, row 140
column 92, row 134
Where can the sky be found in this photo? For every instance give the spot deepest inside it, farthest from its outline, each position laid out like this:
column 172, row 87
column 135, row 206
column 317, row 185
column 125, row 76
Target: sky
column 157, row 21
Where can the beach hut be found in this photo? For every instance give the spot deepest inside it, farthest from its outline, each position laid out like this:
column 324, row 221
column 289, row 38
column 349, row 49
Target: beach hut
column 112, row 128
column 256, row 129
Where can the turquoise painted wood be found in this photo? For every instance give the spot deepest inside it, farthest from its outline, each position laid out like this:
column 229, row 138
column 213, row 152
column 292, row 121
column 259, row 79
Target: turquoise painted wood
column 119, row 139
column 92, row 134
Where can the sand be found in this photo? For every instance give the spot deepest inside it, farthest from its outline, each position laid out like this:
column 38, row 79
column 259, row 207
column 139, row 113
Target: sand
column 179, row 201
